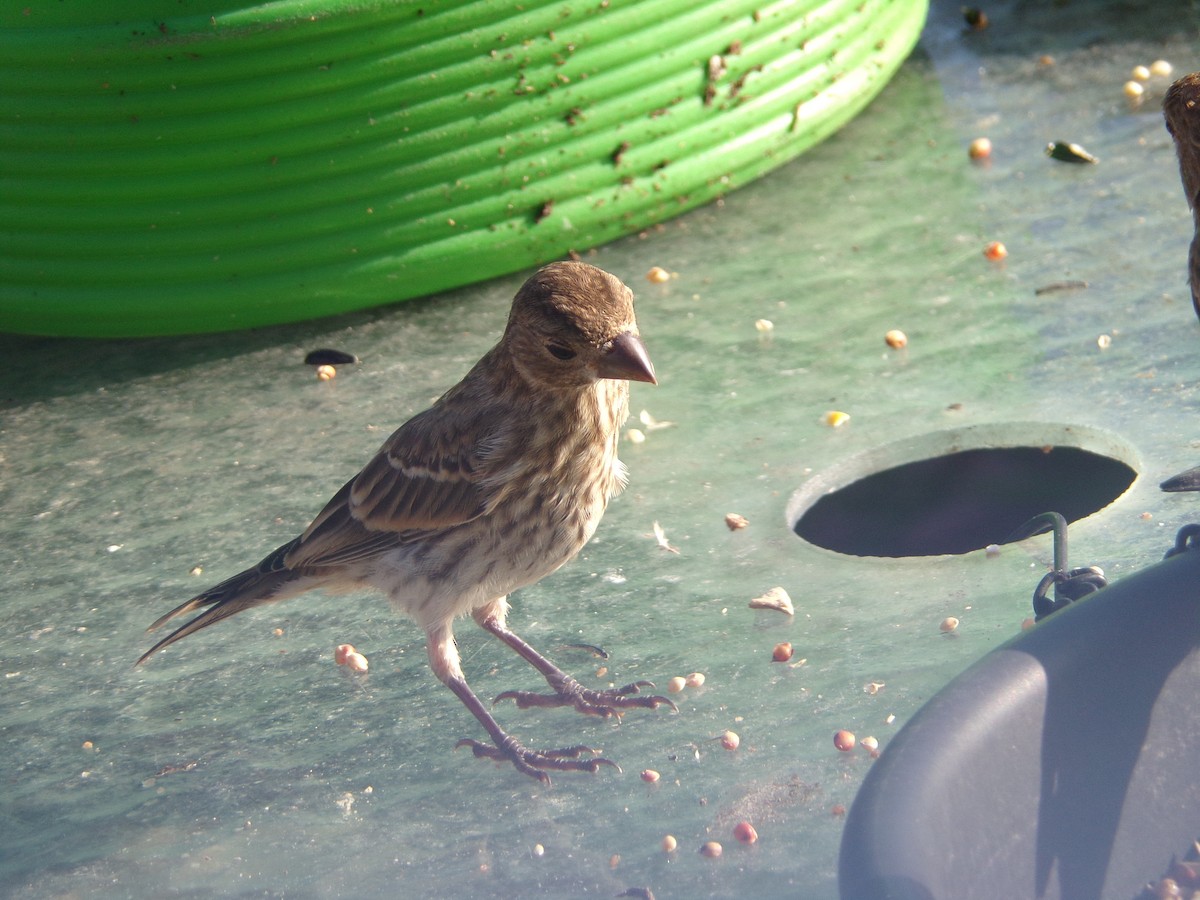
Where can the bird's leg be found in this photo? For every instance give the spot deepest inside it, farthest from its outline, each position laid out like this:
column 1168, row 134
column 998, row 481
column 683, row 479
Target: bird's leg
column 443, row 658
column 567, row 691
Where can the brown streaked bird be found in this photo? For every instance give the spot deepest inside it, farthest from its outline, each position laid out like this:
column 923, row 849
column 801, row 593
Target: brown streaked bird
column 1181, row 109
column 492, row 488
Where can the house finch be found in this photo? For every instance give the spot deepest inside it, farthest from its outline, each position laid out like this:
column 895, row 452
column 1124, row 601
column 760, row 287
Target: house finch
column 496, row 485
column 1181, row 108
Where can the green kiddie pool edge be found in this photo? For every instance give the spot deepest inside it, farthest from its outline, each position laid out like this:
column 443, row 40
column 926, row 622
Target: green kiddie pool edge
column 298, row 160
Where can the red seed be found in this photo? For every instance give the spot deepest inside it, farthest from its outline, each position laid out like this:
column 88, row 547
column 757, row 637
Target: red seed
column 711, row 849
column 650, row 776
column 782, row 652
column 995, row 251
column 342, row 651
column 744, row 833
column 844, row 740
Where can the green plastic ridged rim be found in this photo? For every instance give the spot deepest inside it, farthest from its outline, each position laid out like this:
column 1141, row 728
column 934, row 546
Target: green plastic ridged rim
column 299, row 159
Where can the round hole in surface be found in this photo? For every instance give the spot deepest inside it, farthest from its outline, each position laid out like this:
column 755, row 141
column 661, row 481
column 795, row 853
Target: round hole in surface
column 957, row 491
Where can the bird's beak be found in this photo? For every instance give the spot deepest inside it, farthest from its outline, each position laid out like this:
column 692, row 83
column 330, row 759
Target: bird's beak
column 625, row 357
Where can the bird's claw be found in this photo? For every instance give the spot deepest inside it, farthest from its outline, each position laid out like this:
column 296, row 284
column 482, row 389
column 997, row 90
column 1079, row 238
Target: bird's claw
column 594, row 703
column 535, row 762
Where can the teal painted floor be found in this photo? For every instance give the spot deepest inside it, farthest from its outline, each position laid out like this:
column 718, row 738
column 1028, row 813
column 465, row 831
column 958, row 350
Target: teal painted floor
column 243, row 762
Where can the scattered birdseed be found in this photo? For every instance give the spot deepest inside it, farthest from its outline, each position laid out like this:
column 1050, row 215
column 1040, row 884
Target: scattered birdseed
column 695, row 680
column 1104, row 341
column 976, row 19
column 782, row 652
column 1133, row 90
column 1064, row 151
column 948, row 625
column 871, row 745
column 327, row 357
column 844, row 740
column 651, row 423
column 669, row 843
column 676, row 684
column 777, row 599
column 980, row 148
column 650, row 776
column 1069, row 284
column 660, row 537
column 764, row 326
column 356, row 663
column 730, row 740
column 896, row 339
column 744, row 833
column 835, row 418
column 598, row 652
column 995, row 251
column 710, row 849
column 341, row 652
column 658, row 275
column 873, row 687
column 635, row 436
column 735, row 522
column 1140, row 73
column 326, row 373
column 1161, row 68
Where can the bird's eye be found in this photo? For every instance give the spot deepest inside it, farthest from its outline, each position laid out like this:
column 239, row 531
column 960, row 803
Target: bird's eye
column 558, row 351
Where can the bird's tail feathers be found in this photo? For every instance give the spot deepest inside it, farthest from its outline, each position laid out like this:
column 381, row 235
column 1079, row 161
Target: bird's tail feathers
column 255, row 586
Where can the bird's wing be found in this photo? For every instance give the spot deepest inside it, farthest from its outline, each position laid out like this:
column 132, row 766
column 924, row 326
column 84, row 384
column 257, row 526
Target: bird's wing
column 431, row 474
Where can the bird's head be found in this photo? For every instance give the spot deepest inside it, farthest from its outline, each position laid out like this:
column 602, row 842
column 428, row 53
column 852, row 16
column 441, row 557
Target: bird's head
column 572, row 324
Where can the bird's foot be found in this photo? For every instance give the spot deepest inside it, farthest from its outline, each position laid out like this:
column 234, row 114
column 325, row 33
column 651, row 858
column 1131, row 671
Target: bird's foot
column 535, row 762
column 569, row 692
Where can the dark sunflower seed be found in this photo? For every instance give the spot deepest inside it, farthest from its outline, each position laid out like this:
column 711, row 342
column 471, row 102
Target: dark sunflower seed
column 327, row 357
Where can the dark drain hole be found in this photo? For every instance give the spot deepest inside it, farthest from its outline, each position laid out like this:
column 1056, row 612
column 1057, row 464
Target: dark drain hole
column 961, row 501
